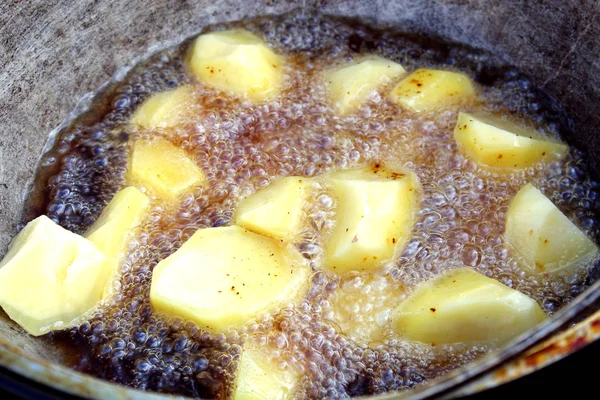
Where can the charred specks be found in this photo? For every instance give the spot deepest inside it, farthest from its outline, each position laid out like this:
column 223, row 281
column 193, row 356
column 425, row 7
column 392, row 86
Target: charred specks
column 417, row 82
column 396, row 175
column 432, row 309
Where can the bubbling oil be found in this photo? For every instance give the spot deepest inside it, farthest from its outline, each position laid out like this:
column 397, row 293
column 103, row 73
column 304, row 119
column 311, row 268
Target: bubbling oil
column 242, row 147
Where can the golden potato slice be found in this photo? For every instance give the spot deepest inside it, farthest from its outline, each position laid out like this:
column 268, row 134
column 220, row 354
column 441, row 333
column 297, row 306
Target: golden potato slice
column 426, row 89
column 237, row 62
column 225, row 276
column 501, row 145
column 164, row 109
column 113, row 228
column 257, row 378
column 464, row 306
column 544, row 238
column 349, row 85
column 275, row 210
column 119, row 217
column 51, row 277
column 374, row 218
column 163, row 168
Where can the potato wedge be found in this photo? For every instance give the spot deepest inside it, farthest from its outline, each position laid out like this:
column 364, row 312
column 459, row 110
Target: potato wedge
column 112, row 229
column 427, row 89
column 501, row 145
column 374, row 218
column 275, row 210
column 544, row 238
column 464, row 306
column 164, row 109
column 225, row 276
column 257, row 378
column 237, row 62
column 349, row 85
column 51, row 277
column 163, row 168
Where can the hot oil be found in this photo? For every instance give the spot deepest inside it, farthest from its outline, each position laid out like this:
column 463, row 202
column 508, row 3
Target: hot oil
column 338, row 336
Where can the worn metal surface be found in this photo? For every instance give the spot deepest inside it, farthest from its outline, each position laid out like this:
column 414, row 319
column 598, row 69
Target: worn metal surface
column 549, row 351
column 53, row 52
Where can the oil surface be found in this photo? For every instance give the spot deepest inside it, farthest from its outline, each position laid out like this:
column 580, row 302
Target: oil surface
column 242, row 147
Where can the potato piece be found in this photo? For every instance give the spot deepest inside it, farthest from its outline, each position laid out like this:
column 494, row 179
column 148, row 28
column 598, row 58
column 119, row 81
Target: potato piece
column 275, row 210
column 111, row 230
column 237, row 62
column 545, row 239
column 426, row 89
column 499, row 144
column 50, row 277
column 259, row 379
column 225, row 276
column 462, row 306
column 349, row 85
column 163, row 168
column 117, row 220
column 164, row 109
column 374, row 218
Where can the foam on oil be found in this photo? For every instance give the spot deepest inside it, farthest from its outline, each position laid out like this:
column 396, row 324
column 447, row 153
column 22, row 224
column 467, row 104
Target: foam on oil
column 338, row 336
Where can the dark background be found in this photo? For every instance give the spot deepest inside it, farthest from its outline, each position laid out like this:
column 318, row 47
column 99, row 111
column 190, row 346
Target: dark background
column 575, row 376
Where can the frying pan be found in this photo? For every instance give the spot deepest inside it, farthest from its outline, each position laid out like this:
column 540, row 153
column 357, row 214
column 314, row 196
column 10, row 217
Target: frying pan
column 55, row 53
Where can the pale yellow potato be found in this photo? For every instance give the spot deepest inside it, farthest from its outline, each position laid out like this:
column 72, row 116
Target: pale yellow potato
column 275, row 210
column 51, row 277
column 237, row 62
column 258, row 378
column 349, row 85
column 544, row 238
column 464, row 306
column 225, row 276
column 501, row 145
column 426, row 89
column 120, row 216
column 113, row 228
column 163, row 168
column 164, row 109
column 374, row 217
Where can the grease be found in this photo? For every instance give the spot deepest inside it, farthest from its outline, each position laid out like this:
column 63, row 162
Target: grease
column 242, row 147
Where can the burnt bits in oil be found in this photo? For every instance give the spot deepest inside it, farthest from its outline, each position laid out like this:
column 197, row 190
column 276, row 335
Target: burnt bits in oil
column 242, row 147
